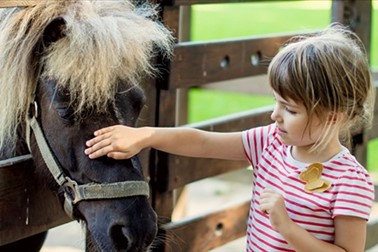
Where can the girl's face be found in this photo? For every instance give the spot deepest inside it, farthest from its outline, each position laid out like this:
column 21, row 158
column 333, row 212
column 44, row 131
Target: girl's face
column 291, row 119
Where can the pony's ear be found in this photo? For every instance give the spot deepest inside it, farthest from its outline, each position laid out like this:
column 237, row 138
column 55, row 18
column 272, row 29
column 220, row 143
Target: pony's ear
column 54, row 31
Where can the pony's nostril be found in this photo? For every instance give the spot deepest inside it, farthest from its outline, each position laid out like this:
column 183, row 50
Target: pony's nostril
column 126, row 233
column 121, row 237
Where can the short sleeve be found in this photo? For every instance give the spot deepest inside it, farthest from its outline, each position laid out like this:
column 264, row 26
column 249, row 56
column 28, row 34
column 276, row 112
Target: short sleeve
column 255, row 140
column 355, row 194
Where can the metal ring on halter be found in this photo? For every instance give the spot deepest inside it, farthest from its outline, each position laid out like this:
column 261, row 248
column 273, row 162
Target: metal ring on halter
column 35, row 109
column 70, row 190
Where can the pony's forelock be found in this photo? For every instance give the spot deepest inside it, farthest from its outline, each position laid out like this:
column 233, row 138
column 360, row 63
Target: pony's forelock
column 104, row 42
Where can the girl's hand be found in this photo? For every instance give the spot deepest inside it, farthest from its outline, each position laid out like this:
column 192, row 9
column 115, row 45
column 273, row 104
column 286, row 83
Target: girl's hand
column 273, row 204
column 118, row 142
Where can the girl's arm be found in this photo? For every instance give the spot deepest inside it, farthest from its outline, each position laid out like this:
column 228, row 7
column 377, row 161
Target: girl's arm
column 121, row 142
column 350, row 235
column 350, row 232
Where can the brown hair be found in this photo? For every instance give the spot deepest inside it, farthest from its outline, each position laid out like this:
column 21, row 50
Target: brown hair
column 326, row 72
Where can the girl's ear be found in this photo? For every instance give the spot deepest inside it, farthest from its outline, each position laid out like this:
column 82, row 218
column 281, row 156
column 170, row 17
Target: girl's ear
column 334, row 117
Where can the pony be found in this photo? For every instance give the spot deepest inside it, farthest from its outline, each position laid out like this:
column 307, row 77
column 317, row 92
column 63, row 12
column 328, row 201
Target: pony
column 68, row 68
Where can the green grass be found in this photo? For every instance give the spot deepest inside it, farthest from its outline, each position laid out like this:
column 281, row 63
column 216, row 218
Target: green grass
column 235, row 20
column 372, row 159
column 247, row 19
column 215, row 103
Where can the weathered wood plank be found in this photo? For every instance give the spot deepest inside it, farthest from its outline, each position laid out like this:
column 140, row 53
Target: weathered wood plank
column 17, row 3
column 25, row 207
column 357, row 15
column 16, row 160
column 373, row 132
column 187, row 170
column 197, row 64
column 207, row 231
column 236, row 121
column 171, row 18
column 372, row 234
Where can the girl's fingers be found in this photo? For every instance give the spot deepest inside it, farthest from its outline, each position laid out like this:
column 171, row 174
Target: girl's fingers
column 98, row 139
column 91, row 142
column 267, row 190
column 100, row 148
column 267, row 200
column 108, row 142
column 264, row 207
column 265, row 211
column 99, row 153
column 99, row 136
column 103, row 131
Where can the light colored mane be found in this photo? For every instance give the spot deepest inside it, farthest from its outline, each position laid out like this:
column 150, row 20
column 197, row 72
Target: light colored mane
column 105, row 41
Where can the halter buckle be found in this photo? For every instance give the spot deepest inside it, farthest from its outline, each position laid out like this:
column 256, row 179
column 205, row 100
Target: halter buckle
column 71, row 192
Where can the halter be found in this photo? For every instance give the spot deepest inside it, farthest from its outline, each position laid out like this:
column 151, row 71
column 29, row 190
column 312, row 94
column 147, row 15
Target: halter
column 73, row 192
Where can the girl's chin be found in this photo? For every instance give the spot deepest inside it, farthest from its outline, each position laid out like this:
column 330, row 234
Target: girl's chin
column 282, row 138
column 285, row 140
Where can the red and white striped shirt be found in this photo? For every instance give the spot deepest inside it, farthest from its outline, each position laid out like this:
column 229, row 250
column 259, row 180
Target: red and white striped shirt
column 351, row 193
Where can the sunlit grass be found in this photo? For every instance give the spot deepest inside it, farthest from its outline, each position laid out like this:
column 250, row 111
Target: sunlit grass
column 246, row 19
column 207, row 104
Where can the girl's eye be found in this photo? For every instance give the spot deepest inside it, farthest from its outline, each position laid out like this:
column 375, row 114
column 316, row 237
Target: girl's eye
column 290, row 111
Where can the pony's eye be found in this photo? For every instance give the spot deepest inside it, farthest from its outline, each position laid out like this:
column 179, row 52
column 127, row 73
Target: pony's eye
column 63, row 105
column 66, row 114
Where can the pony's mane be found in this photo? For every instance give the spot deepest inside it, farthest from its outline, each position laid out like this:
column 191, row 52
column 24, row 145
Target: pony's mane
column 104, row 42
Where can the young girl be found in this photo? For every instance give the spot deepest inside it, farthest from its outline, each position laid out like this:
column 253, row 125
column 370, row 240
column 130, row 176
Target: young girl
column 309, row 192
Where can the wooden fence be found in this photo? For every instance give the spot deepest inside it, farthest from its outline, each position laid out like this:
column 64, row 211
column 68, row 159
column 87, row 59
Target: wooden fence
column 167, row 106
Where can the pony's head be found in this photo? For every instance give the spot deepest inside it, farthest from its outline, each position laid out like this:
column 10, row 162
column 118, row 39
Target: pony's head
column 80, row 63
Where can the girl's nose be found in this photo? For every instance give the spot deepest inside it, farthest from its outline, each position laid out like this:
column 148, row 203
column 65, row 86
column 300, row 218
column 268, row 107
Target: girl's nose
column 274, row 116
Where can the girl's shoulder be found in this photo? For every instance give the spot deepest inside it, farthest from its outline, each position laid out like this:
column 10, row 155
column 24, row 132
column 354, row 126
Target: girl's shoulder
column 352, row 188
column 265, row 135
column 257, row 140
column 345, row 161
column 267, row 131
column 346, row 166
column 260, row 137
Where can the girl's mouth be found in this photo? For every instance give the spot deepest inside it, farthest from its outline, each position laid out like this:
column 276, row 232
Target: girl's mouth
column 280, row 131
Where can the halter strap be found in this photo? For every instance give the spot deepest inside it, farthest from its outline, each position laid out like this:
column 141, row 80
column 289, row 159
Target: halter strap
column 17, row 3
column 73, row 191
